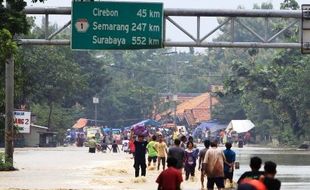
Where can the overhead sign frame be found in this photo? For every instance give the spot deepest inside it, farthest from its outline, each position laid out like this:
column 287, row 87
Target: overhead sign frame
column 100, row 25
column 305, row 28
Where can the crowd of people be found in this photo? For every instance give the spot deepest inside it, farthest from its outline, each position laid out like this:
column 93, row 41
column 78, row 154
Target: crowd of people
column 214, row 164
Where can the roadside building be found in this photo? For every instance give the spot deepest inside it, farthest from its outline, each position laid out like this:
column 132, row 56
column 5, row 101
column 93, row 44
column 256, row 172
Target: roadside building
column 38, row 136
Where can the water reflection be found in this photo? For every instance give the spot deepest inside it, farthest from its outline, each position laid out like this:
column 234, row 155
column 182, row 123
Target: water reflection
column 293, row 166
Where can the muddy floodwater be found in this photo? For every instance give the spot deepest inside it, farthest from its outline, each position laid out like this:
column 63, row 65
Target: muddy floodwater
column 293, row 166
column 75, row 168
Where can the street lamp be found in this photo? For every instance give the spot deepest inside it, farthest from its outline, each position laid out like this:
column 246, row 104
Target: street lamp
column 96, row 102
column 214, row 89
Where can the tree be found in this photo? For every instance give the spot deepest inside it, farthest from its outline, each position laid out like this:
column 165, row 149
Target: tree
column 271, row 86
column 13, row 22
column 229, row 109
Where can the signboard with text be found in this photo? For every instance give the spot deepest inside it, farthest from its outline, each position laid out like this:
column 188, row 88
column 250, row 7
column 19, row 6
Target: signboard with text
column 116, row 25
column 22, row 121
column 305, row 26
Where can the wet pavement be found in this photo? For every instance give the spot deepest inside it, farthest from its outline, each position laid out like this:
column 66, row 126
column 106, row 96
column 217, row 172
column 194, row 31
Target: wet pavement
column 75, row 168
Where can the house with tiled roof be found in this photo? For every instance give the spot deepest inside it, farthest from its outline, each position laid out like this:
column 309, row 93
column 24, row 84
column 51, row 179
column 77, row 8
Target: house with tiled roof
column 194, row 110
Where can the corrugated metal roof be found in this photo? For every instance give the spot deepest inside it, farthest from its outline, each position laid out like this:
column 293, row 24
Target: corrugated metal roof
column 38, row 126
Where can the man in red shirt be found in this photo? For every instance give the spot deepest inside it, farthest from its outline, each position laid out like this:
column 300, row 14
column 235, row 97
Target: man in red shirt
column 171, row 178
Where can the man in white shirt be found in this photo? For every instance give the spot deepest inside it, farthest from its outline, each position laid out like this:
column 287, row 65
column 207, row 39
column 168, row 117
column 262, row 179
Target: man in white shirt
column 214, row 167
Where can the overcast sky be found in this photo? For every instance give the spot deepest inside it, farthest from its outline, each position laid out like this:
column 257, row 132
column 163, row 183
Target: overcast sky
column 226, row 4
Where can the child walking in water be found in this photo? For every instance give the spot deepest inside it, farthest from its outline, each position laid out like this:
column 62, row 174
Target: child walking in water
column 115, row 148
column 190, row 160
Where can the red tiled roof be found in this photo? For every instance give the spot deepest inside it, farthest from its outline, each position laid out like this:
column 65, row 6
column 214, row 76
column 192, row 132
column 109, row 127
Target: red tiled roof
column 196, row 109
column 80, row 123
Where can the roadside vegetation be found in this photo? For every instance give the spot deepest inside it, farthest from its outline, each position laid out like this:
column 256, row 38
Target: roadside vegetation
column 268, row 86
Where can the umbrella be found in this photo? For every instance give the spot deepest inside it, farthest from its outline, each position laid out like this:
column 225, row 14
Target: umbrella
column 140, row 128
column 240, row 126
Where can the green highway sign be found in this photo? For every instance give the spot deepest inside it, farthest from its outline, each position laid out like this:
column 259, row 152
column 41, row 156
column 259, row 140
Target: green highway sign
column 116, row 25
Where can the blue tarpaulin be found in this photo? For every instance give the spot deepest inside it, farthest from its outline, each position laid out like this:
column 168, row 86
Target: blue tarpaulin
column 106, row 130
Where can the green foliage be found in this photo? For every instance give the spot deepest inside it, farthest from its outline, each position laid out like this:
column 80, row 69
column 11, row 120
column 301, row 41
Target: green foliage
column 272, row 86
column 1, row 130
column 62, row 77
column 275, row 91
column 5, row 166
column 13, row 21
column 229, row 109
column 61, row 119
column 13, row 18
column 290, row 4
column 7, row 46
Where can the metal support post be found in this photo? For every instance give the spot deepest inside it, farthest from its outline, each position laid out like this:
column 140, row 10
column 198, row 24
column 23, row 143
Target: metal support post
column 198, row 30
column 266, row 29
column 267, row 39
column 95, row 115
column 46, row 26
column 232, row 29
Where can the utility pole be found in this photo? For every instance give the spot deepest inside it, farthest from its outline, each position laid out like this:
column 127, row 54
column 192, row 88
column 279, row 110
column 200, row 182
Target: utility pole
column 175, row 99
column 210, row 96
column 9, row 109
column 171, row 95
column 9, row 106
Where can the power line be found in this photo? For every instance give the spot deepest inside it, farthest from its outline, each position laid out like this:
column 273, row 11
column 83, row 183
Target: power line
column 105, row 121
column 165, row 73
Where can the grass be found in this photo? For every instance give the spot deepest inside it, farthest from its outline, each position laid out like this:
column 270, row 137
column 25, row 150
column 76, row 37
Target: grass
column 5, row 166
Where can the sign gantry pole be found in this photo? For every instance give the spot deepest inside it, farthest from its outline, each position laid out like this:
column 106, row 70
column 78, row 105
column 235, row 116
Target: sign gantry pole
column 305, row 29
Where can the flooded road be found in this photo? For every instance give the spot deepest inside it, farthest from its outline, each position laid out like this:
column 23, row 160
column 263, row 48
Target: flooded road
column 75, row 168
column 293, row 166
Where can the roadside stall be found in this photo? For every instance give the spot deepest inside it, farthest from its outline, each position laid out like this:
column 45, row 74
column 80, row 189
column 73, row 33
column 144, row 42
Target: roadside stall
column 79, row 126
column 236, row 128
column 48, row 139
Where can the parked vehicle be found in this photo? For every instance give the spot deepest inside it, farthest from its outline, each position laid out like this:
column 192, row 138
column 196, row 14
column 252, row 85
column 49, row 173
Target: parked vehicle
column 116, row 135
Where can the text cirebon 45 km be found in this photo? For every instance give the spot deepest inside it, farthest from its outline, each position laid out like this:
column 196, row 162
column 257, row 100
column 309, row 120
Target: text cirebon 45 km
column 116, row 25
